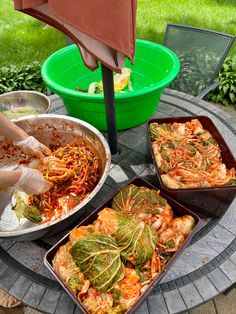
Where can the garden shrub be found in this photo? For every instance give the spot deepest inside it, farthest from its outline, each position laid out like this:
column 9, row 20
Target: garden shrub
column 225, row 93
column 24, row 77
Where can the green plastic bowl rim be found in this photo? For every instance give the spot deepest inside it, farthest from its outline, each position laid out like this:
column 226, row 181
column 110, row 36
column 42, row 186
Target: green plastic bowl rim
column 147, row 90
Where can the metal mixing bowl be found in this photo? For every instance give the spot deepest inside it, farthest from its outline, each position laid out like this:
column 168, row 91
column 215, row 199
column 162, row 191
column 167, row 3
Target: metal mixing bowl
column 57, row 129
column 16, row 100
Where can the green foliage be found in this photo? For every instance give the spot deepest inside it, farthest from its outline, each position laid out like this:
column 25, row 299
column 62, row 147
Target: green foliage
column 153, row 15
column 24, row 39
column 24, row 77
column 225, row 93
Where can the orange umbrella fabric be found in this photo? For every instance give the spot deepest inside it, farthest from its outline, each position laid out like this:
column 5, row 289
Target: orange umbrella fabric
column 103, row 30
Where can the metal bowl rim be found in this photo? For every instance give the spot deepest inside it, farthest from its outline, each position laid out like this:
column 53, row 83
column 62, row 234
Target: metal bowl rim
column 30, row 92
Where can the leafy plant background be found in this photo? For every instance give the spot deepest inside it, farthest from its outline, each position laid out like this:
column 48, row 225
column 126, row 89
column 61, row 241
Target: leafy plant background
column 225, row 93
column 23, row 77
column 197, row 67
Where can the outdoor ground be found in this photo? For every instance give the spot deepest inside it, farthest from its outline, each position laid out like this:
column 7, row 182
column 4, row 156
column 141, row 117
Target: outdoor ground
column 220, row 305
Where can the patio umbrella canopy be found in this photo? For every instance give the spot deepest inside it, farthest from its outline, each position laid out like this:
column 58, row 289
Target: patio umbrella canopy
column 103, row 31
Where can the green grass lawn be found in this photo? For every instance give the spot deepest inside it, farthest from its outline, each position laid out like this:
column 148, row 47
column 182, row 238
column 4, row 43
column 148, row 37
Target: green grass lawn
column 153, row 15
column 24, row 39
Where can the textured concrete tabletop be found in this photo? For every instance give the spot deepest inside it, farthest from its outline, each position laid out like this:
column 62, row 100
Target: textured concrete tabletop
column 206, row 268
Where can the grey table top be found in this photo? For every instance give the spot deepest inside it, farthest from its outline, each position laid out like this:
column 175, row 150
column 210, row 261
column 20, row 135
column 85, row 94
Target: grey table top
column 207, row 266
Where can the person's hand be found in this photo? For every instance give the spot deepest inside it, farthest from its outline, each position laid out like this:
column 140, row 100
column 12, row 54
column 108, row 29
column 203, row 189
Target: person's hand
column 33, row 147
column 5, row 197
column 32, row 181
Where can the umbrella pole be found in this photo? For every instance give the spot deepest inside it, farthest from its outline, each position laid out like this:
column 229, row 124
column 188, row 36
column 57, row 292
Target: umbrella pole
column 109, row 99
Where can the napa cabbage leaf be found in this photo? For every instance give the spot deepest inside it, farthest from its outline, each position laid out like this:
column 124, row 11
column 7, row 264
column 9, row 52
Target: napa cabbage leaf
column 98, row 257
column 66, row 268
column 133, row 199
column 23, row 209
column 136, row 239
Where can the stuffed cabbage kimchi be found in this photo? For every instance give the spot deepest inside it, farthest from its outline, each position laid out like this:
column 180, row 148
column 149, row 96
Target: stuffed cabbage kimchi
column 108, row 264
column 73, row 171
column 188, row 156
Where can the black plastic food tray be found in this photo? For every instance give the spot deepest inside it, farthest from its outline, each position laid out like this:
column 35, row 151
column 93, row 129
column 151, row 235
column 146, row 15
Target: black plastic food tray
column 178, row 210
column 210, row 201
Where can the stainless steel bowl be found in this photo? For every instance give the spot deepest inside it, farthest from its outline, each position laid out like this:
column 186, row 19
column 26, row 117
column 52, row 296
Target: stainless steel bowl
column 57, row 129
column 23, row 99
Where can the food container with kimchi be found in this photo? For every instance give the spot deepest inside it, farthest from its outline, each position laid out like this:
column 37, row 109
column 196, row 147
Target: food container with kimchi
column 194, row 165
column 114, row 257
column 77, row 168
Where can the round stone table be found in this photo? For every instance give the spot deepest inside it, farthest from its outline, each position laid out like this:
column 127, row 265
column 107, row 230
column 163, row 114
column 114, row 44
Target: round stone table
column 206, row 268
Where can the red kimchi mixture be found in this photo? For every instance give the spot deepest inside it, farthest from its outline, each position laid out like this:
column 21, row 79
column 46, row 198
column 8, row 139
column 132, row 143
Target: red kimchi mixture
column 107, row 265
column 188, row 156
column 73, row 170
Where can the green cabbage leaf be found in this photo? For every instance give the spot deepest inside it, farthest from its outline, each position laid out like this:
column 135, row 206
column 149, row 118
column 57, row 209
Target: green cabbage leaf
column 67, row 269
column 136, row 239
column 98, row 257
column 133, row 199
column 24, row 210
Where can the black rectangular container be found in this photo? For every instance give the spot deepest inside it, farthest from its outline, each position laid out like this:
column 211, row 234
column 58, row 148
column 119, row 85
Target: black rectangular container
column 210, row 201
column 178, row 210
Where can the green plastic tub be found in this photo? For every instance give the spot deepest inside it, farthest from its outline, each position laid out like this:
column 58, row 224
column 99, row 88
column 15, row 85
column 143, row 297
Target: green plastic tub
column 155, row 68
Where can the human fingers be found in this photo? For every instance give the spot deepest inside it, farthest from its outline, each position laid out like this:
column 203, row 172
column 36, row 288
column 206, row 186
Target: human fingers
column 32, row 181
